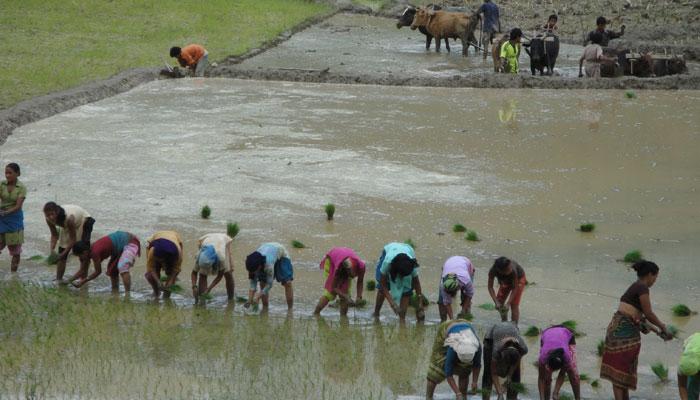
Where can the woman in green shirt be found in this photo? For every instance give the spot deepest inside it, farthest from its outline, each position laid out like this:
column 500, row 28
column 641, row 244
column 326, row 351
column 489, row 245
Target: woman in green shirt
column 12, row 195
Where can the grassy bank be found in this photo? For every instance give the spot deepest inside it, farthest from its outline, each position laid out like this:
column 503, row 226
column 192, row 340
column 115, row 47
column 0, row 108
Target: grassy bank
column 50, row 46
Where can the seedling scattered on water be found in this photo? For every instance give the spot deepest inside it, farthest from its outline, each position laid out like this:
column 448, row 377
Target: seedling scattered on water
column 206, row 212
column 472, row 236
column 175, row 288
column 681, row 310
column 661, row 371
column 206, row 296
column 487, row 306
column 601, row 347
column 571, row 325
column 330, row 211
column 297, row 244
column 458, row 228
column 37, row 257
column 633, row 256
column 595, row 383
column 587, row 227
column 232, row 229
column 52, row 259
column 360, row 303
column 371, row 285
column 630, row 94
column 583, row 377
column 518, row 387
column 532, row 331
column 414, row 300
column 410, row 243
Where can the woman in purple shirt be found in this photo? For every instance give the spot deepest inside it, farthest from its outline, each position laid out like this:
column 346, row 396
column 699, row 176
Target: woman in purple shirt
column 557, row 352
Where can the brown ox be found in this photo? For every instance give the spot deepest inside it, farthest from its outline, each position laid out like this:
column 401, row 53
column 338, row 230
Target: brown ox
column 496, row 52
column 443, row 24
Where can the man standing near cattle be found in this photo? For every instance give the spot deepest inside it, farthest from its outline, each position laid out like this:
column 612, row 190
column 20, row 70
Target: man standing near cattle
column 510, row 52
column 606, row 34
column 491, row 18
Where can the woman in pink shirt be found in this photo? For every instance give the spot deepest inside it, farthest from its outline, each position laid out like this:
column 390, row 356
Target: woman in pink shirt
column 557, row 352
column 339, row 266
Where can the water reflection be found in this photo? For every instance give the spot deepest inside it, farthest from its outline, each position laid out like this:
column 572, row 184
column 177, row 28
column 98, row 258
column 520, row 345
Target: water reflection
column 342, row 349
column 507, row 115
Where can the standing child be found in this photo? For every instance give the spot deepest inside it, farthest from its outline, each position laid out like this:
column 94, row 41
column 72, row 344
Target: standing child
column 340, row 266
column 12, row 195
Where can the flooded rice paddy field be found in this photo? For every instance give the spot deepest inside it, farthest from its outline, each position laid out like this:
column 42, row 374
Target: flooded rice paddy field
column 352, row 44
column 521, row 167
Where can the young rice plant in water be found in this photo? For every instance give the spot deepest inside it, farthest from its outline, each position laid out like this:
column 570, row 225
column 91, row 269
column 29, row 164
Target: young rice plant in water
column 472, row 236
column 633, row 256
column 660, row 370
column 587, row 227
column 232, row 229
column 330, row 211
column 532, row 331
column 205, row 212
column 681, row 310
column 458, row 228
column 297, row 244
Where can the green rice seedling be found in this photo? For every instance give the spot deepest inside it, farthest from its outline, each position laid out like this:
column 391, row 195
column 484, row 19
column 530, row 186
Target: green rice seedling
column 414, row 300
column 330, row 211
column 601, row 347
column 371, row 285
column 518, row 387
column 52, row 259
column 37, row 257
column 206, row 296
column 175, row 288
column 673, row 330
column 409, row 242
column 633, row 256
column 459, row 228
column 588, row 227
column 570, row 325
column 584, row 377
column 630, row 94
column 205, row 212
column 565, row 396
column 532, row 331
column 298, row 245
column 465, row 315
column 487, row 306
column 361, row 303
column 232, row 229
column 595, row 383
column 660, row 370
column 681, row 310
column 241, row 299
column 472, row 236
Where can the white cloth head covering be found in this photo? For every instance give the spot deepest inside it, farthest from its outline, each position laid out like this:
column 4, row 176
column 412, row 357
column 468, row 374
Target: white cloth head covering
column 464, row 343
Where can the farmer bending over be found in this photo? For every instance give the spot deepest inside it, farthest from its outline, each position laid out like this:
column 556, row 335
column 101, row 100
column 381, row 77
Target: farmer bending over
column 456, row 351
column 557, row 352
column 270, row 261
column 214, row 258
column 457, row 276
column 164, row 253
column 503, row 350
column 193, row 56
column 120, row 247
column 339, row 266
column 397, row 277
column 511, row 285
column 75, row 223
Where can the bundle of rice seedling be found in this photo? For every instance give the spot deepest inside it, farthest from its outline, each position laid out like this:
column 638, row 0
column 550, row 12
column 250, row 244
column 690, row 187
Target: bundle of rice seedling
column 205, row 212
column 232, row 229
column 330, row 211
column 458, row 228
column 532, row 331
column 660, row 370
column 633, row 256
column 587, row 227
column 681, row 310
column 297, row 244
column 472, row 236
column 371, row 285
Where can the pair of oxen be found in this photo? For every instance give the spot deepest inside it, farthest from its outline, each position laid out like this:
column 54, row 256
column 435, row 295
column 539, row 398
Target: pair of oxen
column 456, row 23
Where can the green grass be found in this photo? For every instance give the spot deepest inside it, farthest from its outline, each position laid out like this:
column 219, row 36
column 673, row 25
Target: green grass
column 56, row 45
column 205, row 212
column 587, row 227
column 532, row 331
column 373, row 4
column 459, row 228
column 298, row 245
column 660, row 370
column 232, row 229
column 472, row 236
column 681, row 310
column 330, row 211
column 371, row 285
column 633, row 256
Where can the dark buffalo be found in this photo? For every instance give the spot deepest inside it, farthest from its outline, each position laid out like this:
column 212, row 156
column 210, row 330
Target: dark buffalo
column 643, row 66
column 543, row 51
column 406, row 19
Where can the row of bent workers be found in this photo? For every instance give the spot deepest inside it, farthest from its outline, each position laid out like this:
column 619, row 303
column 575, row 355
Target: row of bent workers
column 457, row 351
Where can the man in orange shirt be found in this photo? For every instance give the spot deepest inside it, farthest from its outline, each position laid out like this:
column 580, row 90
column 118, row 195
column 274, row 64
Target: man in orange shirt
column 193, row 56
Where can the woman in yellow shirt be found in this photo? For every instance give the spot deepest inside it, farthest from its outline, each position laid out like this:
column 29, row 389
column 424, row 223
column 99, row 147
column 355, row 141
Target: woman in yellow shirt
column 510, row 52
column 12, row 195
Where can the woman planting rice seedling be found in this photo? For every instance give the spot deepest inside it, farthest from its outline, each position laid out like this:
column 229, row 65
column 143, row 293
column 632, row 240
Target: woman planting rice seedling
column 457, row 276
column 340, row 266
column 503, row 349
column 164, row 253
column 511, row 282
column 68, row 224
column 623, row 339
column 456, row 351
column 214, row 258
column 557, row 352
column 12, row 195
column 397, row 275
column 120, row 247
column 270, row 261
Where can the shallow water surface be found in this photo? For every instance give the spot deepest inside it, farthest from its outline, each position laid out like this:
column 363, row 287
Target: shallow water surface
column 521, row 167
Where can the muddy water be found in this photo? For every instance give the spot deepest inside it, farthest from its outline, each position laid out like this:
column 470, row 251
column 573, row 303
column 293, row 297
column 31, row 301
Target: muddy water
column 521, row 167
column 352, row 44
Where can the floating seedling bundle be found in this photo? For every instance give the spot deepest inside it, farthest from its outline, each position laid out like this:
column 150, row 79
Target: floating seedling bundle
column 459, row 228
column 298, row 245
column 660, row 370
column 330, row 211
column 588, row 227
column 232, row 229
column 681, row 310
column 633, row 256
column 371, row 285
column 532, row 331
column 205, row 212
